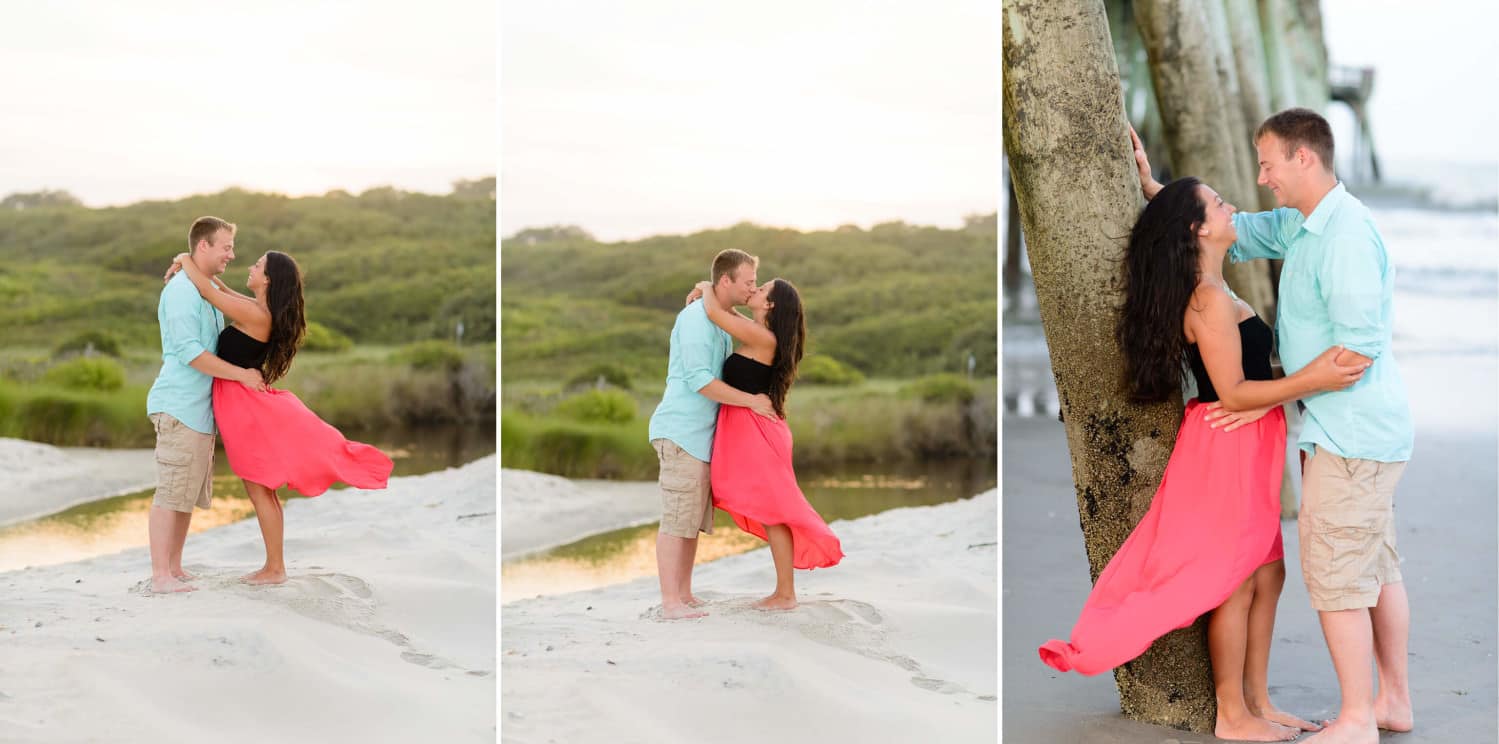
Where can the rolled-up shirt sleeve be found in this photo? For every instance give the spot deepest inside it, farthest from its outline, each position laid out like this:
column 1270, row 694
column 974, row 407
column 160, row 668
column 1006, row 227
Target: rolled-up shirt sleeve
column 1352, row 286
column 1259, row 235
column 181, row 325
column 698, row 351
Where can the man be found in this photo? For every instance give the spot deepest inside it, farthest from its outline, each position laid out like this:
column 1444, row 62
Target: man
column 180, row 402
column 1336, row 288
column 681, row 429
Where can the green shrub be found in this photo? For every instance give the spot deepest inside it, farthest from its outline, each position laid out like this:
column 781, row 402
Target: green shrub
column 941, row 388
column 599, row 406
column 100, row 341
column 87, row 373
column 430, row 355
column 821, row 369
column 609, row 373
column 322, row 338
column 574, row 449
column 88, row 418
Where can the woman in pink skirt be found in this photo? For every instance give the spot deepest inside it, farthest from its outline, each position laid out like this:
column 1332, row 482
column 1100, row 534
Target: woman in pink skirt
column 1211, row 541
column 751, row 470
column 271, row 438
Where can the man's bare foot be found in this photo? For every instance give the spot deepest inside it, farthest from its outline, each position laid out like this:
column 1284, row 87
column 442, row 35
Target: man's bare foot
column 264, row 576
column 681, row 611
column 776, row 602
column 1269, row 712
column 182, row 575
column 1335, row 732
column 693, row 601
column 169, row 584
column 1388, row 718
column 1253, row 728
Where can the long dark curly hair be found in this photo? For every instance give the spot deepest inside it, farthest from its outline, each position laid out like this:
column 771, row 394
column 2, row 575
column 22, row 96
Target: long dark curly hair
column 288, row 319
column 1160, row 273
column 789, row 325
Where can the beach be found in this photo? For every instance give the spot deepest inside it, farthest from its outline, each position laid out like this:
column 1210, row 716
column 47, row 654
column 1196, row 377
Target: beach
column 385, row 631
column 894, row 644
column 543, row 511
column 43, row 479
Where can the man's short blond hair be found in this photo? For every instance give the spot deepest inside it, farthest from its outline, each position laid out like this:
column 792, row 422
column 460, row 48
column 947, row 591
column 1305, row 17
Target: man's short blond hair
column 729, row 260
column 204, row 228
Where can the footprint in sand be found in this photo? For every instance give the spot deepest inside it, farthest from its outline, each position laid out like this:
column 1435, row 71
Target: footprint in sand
column 857, row 627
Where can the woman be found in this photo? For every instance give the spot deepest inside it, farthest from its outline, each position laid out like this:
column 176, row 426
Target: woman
column 270, row 438
column 751, row 474
column 1211, row 539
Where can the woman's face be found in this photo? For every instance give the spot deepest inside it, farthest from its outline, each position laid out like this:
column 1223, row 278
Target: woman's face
column 257, row 275
column 760, row 299
column 1218, row 218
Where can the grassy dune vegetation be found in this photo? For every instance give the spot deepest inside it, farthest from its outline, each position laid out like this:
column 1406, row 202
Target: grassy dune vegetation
column 893, row 313
column 388, row 277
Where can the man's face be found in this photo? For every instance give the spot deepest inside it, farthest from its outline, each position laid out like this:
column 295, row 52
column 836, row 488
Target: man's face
column 215, row 253
column 740, row 283
column 1278, row 172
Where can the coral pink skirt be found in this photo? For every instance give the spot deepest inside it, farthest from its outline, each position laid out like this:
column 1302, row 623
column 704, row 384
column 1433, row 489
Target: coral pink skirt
column 1214, row 520
column 272, row 439
column 753, row 481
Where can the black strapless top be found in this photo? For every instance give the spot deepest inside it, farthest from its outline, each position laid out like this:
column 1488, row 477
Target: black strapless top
column 240, row 350
column 742, row 373
column 1255, row 342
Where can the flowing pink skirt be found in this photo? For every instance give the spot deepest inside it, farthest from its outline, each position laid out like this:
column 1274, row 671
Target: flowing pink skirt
column 1214, row 520
column 273, row 440
column 753, row 481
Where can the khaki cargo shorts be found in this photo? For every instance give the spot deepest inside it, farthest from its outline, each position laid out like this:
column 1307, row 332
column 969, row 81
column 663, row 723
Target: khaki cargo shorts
column 1347, row 530
column 184, row 465
column 686, row 493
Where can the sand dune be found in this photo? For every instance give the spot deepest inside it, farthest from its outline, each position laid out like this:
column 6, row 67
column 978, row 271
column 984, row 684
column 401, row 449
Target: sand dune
column 543, row 511
column 384, row 633
column 42, row 479
column 896, row 644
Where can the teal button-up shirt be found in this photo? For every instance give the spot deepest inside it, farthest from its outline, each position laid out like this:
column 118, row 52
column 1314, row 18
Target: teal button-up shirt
column 1336, row 288
column 698, row 350
column 189, row 327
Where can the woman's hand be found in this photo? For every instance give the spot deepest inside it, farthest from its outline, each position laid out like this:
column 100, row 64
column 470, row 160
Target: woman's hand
column 700, row 290
column 176, row 265
column 251, row 378
column 1148, row 184
column 1231, row 420
column 1327, row 374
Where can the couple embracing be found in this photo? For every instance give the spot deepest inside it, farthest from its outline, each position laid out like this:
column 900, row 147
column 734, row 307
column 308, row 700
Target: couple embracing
column 721, row 436
column 1211, row 541
column 216, row 378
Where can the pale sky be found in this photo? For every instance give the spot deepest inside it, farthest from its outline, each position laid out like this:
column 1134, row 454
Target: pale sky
column 118, row 102
column 669, row 116
column 1436, row 74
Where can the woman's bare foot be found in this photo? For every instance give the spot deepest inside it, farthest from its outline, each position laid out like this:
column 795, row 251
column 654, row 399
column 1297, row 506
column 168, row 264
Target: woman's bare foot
column 776, row 602
column 265, row 576
column 1253, row 728
column 1269, row 712
column 169, row 584
column 681, row 611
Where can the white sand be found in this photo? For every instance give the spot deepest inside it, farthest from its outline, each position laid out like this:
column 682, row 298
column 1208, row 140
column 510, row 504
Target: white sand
column 385, row 632
column 543, row 511
column 896, row 644
column 42, row 479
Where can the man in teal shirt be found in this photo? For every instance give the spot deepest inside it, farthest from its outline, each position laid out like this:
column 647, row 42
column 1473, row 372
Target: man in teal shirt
column 682, row 427
column 1336, row 288
column 180, row 403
